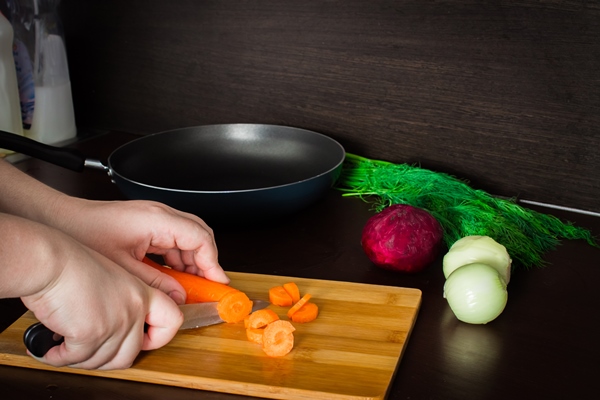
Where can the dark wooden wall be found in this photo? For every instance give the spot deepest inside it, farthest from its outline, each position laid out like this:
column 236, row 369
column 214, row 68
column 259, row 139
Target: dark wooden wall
column 504, row 93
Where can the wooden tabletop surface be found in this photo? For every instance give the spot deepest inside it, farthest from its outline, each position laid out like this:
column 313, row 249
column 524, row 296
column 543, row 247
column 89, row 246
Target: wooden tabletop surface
column 544, row 345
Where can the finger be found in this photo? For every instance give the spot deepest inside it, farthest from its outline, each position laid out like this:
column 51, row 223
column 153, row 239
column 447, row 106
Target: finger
column 117, row 351
column 164, row 320
column 121, row 357
column 81, row 355
column 66, row 354
column 184, row 231
column 174, row 259
column 128, row 350
column 195, row 262
column 212, row 271
column 192, row 244
column 197, row 219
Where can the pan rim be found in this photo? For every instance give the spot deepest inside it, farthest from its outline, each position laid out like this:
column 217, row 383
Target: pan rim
column 334, row 142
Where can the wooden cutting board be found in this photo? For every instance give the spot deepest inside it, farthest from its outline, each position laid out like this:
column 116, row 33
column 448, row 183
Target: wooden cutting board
column 351, row 351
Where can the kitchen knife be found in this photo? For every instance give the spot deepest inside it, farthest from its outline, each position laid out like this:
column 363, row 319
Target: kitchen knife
column 39, row 339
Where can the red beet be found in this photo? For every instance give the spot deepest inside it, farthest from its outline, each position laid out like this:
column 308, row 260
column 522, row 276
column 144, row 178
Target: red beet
column 402, row 238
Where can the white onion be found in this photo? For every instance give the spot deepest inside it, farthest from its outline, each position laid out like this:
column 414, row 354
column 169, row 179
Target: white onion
column 476, row 293
column 478, row 249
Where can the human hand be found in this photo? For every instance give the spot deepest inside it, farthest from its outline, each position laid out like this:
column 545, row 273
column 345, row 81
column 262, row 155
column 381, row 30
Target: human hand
column 99, row 308
column 122, row 231
column 125, row 231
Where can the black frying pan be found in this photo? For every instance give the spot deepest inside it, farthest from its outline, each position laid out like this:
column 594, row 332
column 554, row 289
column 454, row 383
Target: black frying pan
column 223, row 173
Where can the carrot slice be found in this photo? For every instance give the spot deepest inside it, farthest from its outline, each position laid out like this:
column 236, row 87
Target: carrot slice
column 262, row 318
column 280, row 297
column 293, row 291
column 234, row 307
column 298, row 305
column 255, row 335
column 308, row 312
column 278, row 338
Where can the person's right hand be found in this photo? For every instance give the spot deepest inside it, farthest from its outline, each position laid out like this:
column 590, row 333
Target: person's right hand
column 100, row 309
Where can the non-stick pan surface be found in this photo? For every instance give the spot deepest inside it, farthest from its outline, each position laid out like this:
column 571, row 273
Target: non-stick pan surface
column 227, row 173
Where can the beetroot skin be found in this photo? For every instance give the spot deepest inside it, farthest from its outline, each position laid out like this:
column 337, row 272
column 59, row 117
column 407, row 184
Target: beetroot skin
column 402, row 238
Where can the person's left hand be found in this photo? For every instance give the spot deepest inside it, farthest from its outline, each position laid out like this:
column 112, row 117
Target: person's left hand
column 125, row 231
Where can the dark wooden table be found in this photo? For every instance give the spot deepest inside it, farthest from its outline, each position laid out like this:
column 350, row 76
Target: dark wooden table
column 544, row 345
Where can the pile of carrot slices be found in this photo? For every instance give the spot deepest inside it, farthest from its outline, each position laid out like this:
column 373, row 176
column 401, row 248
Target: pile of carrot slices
column 288, row 295
column 276, row 336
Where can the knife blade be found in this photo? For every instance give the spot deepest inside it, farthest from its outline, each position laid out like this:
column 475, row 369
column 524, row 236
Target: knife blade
column 205, row 314
column 39, row 339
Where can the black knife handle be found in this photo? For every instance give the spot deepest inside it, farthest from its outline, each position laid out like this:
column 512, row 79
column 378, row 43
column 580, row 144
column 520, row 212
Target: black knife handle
column 39, row 339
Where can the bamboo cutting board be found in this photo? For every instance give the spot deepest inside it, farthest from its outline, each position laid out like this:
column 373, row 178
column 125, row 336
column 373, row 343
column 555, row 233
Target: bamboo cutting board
column 351, row 351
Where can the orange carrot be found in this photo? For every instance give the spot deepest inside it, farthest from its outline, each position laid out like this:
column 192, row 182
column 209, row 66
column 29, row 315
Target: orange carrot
column 262, row 318
column 255, row 335
column 197, row 288
column 278, row 338
column 308, row 312
column 234, row 307
column 298, row 305
column 280, row 297
column 293, row 290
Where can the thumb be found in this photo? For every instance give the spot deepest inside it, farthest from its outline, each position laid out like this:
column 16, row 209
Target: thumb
column 163, row 319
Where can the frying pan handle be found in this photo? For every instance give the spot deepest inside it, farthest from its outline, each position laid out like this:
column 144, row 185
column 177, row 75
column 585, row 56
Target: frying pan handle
column 63, row 157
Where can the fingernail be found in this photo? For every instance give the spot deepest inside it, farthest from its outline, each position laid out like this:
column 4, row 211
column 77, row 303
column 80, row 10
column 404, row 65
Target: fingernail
column 177, row 297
